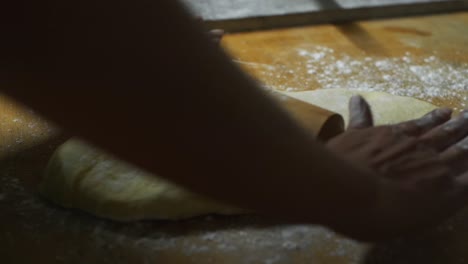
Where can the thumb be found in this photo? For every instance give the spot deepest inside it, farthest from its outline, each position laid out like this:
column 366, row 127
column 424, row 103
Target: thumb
column 360, row 114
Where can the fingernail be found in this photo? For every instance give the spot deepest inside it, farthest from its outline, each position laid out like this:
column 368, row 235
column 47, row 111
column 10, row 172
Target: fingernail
column 444, row 111
column 465, row 114
column 464, row 146
column 428, row 119
column 457, row 122
column 452, row 125
column 218, row 32
column 356, row 99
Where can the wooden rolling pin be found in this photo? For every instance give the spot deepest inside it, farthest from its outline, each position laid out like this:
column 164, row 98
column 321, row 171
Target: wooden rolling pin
column 322, row 123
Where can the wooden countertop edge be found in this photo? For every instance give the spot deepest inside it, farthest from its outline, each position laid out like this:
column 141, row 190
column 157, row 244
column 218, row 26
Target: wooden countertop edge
column 335, row 16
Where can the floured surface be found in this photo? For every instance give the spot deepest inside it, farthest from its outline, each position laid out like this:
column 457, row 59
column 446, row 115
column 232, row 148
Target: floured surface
column 424, row 58
column 31, row 223
column 33, row 231
column 386, row 108
column 312, row 67
column 55, row 235
column 21, row 128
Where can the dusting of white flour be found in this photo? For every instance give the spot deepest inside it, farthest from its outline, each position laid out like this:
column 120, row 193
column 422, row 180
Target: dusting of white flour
column 205, row 235
column 426, row 78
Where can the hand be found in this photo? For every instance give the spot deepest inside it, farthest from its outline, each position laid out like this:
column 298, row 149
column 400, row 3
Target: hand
column 214, row 34
column 422, row 167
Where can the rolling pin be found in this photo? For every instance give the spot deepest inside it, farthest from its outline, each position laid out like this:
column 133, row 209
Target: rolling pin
column 323, row 123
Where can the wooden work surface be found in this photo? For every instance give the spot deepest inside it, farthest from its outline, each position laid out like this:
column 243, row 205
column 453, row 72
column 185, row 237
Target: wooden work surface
column 424, row 57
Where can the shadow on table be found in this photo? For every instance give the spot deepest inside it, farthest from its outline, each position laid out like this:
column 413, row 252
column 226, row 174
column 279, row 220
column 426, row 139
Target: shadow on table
column 360, row 37
column 328, row 4
column 446, row 244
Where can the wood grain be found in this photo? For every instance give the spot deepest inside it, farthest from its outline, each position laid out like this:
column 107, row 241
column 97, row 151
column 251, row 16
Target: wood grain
column 426, row 47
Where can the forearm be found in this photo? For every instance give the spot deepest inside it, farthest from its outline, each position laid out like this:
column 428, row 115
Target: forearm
column 138, row 79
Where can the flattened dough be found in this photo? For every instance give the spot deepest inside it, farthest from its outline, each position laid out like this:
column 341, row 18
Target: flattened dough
column 386, row 108
column 83, row 177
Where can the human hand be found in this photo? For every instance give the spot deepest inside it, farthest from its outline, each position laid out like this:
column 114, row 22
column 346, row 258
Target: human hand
column 422, row 167
column 214, row 34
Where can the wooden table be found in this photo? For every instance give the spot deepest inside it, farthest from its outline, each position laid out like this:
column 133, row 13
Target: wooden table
column 423, row 57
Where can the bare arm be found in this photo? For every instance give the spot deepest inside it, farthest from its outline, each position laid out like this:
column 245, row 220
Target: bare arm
column 139, row 78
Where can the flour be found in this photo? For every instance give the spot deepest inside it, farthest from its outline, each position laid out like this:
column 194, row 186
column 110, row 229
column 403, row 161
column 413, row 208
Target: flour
column 188, row 238
column 427, row 78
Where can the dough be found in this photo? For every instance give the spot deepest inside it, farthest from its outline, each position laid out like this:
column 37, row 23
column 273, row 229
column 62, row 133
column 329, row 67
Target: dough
column 386, row 108
column 81, row 176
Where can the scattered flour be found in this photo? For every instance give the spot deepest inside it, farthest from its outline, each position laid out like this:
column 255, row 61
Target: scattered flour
column 198, row 237
column 407, row 76
column 427, row 78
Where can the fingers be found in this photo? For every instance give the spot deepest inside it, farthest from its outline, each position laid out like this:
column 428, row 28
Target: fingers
column 424, row 124
column 360, row 114
column 457, row 156
column 445, row 135
column 404, row 145
column 460, row 187
column 462, row 181
column 216, row 35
